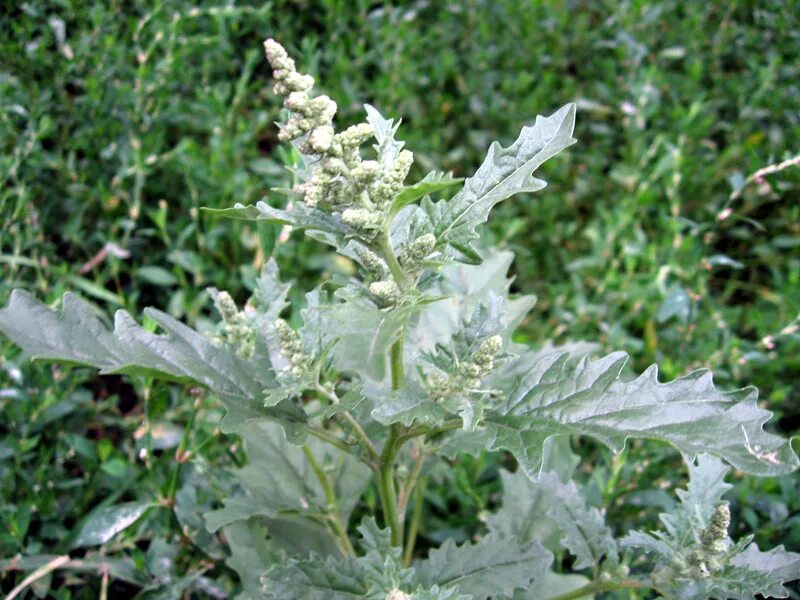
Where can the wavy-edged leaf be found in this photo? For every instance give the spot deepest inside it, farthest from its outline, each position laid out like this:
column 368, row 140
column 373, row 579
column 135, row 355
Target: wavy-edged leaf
column 504, row 172
column 406, row 405
column 495, row 564
column 251, row 555
column 552, row 509
column 76, row 335
column 372, row 575
column 363, row 332
column 757, row 572
column 278, row 481
column 437, row 593
column 323, row 226
column 315, row 579
column 387, row 147
column 591, row 399
column 702, row 495
column 585, row 533
column 739, row 570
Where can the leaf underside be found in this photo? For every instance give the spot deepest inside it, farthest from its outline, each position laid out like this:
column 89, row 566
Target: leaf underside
column 76, row 335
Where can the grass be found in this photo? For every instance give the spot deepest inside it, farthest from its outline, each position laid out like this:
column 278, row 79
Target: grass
column 117, row 123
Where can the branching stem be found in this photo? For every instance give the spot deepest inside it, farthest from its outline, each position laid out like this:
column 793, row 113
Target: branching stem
column 332, row 508
column 416, row 518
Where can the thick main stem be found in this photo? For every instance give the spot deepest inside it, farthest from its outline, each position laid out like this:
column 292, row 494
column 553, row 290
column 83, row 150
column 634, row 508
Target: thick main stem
column 386, row 484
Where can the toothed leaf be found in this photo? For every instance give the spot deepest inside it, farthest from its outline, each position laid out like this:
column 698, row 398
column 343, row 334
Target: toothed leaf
column 592, row 399
column 505, row 172
column 76, row 335
column 495, row 564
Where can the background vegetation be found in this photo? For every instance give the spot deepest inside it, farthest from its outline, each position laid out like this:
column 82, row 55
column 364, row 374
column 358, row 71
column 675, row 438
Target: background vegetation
column 118, row 120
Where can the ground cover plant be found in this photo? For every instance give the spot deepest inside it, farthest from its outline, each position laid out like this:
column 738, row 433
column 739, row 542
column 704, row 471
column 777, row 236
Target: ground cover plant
column 326, row 407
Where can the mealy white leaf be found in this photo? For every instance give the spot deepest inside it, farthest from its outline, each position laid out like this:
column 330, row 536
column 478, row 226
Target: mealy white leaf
column 75, row 335
column 591, row 398
column 493, row 565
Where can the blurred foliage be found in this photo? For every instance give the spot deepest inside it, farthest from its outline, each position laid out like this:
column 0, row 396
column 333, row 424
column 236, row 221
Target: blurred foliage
column 118, row 120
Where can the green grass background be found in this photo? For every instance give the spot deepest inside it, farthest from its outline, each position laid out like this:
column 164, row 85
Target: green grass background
column 119, row 119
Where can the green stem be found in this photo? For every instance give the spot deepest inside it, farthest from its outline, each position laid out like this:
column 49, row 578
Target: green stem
column 411, row 481
column 416, row 518
column 597, row 586
column 419, row 430
column 330, row 499
column 398, row 370
column 386, row 486
column 400, row 276
column 333, row 440
column 351, row 420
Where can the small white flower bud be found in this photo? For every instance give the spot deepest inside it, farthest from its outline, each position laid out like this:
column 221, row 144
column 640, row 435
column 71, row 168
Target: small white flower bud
column 297, row 82
column 402, row 165
column 418, row 250
column 488, row 349
column 362, row 219
column 321, row 138
column 323, row 109
column 356, row 135
column 386, row 293
column 470, row 370
column 334, row 166
column 297, row 102
column 365, row 173
column 372, row 262
column 226, row 307
column 277, row 56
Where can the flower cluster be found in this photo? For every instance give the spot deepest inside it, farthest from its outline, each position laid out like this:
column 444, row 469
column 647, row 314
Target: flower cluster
column 361, row 190
column 237, row 329
column 707, row 557
column 292, row 348
column 470, row 372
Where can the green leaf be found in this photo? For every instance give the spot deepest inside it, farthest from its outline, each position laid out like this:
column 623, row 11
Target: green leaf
column 373, row 575
column 104, row 524
column 738, row 570
column 526, row 511
column 505, row 172
column 464, row 288
column 586, row 534
column 251, row 555
column 591, row 399
column 278, row 481
column 320, row 225
column 364, row 332
column 437, row 593
column 407, row 405
column 387, row 147
column 774, row 568
column 317, row 579
column 495, row 564
column 552, row 585
column 156, row 276
column 432, row 182
column 703, row 495
column 76, row 335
